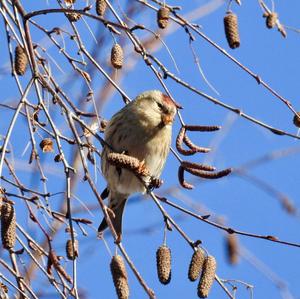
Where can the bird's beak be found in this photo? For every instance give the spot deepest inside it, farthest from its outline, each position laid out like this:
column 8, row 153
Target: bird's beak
column 167, row 119
column 172, row 101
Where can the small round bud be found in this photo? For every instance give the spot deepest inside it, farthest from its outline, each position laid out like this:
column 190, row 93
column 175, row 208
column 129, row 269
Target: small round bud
column 21, row 61
column 119, row 274
column 196, row 264
column 73, row 16
column 8, row 226
column 58, row 158
column 163, row 263
column 163, row 15
column 117, row 56
column 207, row 277
column 296, row 119
column 271, row 20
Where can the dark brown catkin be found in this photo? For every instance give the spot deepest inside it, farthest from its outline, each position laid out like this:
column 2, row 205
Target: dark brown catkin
column 101, row 7
column 72, row 255
column 8, row 226
column 116, row 57
column 21, row 61
column 232, row 248
column 207, row 276
column 271, row 20
column 163, row 263
column 119, row 274
column 196, row 264
column 296, row 119
column 163, row 15
column 231, row 30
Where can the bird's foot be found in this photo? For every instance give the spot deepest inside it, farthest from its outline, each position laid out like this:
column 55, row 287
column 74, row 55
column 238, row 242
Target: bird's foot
column 118, row 239
column 154, row 183
column 110, row 212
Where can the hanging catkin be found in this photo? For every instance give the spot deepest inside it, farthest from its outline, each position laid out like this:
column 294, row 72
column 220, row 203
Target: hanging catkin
column 163, row 15
column 119, row 274
column 101, row 7
column 21, row 61
column 116, row 57
column 207, row 277
column 72, row 254
column 196, row 264
column 163, row 263
column 231, row 30
column 8, row 226
column 232, row 248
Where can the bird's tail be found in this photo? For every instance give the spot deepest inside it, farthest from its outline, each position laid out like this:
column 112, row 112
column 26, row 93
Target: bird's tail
column 117, row 204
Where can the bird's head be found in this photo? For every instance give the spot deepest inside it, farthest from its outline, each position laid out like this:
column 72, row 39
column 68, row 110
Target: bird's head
column 156, row 108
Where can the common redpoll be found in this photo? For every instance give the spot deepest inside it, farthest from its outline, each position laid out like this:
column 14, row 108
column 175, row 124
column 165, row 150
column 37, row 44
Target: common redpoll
column 142, row 129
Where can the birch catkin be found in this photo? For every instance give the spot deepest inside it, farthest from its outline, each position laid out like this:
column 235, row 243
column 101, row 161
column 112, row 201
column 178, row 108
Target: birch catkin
column 101, row 7
column 72, row 254
column 207, row 277
column 117, row 56
column 8, row 226
column 231, row 30
column 21, row 61
column 163, row 15
column 232, row 248
column 196, row 264
column 119, row 274
column 163, row 263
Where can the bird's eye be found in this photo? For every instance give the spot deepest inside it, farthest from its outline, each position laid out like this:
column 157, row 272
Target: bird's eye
column 160, row 106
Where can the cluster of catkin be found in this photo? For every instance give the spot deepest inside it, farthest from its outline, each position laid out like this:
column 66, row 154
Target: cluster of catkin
column 100, row 8
column 186, row 147
column 201, row 265
column 232, row 29
column 117, row 55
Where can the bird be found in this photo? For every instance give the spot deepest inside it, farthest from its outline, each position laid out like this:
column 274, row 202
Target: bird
column 141, row 129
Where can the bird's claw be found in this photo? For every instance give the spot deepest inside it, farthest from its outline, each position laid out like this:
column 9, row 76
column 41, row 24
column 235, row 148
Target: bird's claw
column 110, row 212
column 154, row 183
column 118, row 239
